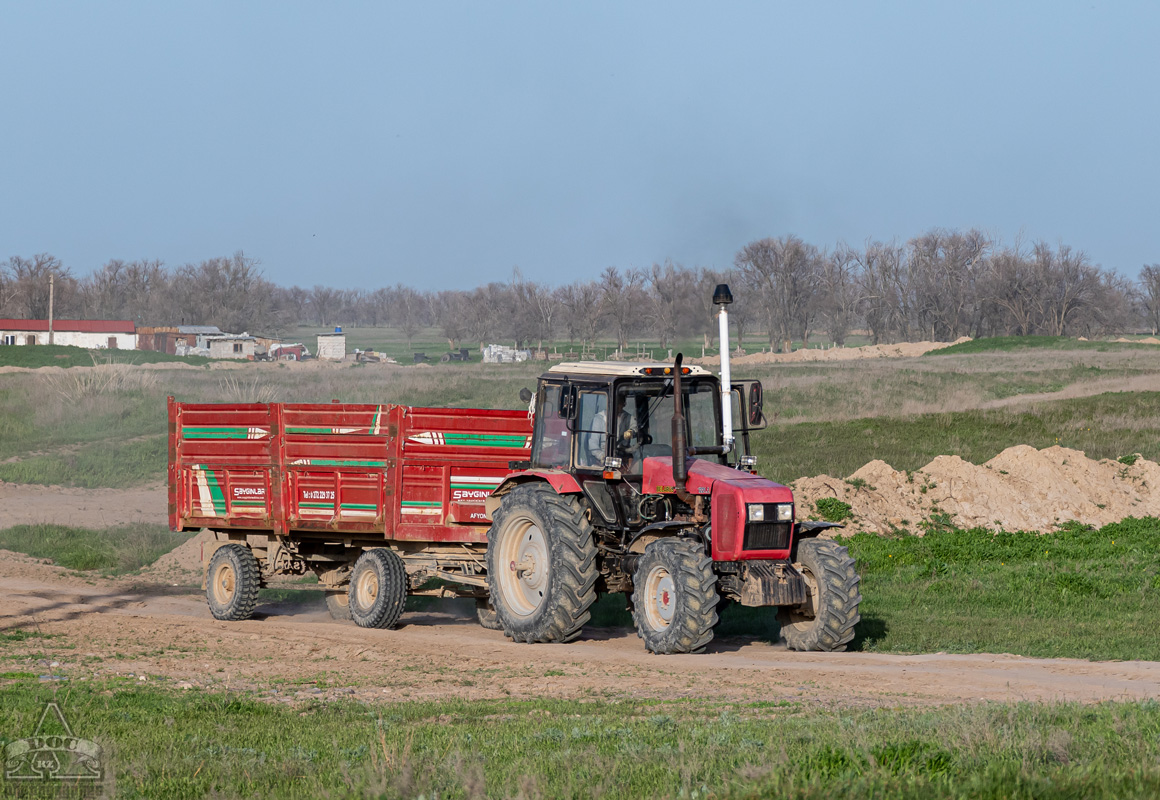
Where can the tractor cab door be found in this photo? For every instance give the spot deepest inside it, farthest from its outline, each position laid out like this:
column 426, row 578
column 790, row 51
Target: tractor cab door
column 571, row 429
column 748, row 415
column 552, row 437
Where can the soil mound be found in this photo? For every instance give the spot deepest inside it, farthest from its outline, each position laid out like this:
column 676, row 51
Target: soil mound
column 1020, row 489
column 181, row 563
column 900, row 350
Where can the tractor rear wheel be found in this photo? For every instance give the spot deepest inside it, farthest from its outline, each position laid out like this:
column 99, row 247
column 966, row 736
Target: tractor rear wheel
column 826, row 621
column 485, row 613
column 232, row 582
column 541, row 565
column 674, row 598
column 338, row 604
column 378, row 589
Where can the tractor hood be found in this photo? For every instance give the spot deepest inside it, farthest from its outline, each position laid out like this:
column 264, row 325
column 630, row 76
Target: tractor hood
column 730, row 490
column 658, row 479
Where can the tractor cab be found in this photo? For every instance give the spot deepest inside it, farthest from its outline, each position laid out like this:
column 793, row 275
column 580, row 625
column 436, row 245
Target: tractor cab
column 593, row 418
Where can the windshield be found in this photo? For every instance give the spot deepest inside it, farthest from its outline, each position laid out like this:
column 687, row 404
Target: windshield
column 644, row 419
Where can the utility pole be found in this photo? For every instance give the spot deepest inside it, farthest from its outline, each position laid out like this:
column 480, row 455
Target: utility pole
column 51, row 290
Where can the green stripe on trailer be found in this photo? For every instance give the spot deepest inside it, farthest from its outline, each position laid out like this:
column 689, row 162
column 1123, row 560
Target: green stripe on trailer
column 215, row 492
column 255, row 503
column 485, row 440
column 474, row 485
column 215, row 433
column 327, row 462
column 310, row 430
column 360, row 506
column 422, row 503
column 316, row 505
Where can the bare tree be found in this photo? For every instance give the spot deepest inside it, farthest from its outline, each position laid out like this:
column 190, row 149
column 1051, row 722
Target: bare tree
column 1150, row 295
column 621, row 301
column 785, row 274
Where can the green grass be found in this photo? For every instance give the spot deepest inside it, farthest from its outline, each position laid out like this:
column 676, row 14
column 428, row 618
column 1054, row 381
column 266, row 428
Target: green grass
column 111, row 465
column 115, row 550
column 160, row 743
column 1075, row 593
column 1103, row 426
column 56, row 355
column 1009, row 343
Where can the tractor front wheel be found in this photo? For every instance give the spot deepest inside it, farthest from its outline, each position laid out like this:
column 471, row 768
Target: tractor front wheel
column 541, row 565
column 826, row 621
column 674, row 599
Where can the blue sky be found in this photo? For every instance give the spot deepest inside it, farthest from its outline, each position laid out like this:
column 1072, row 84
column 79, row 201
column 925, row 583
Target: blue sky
column 443, row 144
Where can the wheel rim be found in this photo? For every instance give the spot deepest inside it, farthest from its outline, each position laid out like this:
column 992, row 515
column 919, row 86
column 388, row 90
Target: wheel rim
column 366, row 589
column 524, row 567
column 225, row 583
column 661, row 598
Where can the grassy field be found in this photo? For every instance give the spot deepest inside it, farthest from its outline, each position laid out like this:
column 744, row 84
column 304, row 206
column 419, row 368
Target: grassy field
column 1104, row 426
column 161, row 743
column 827, row 417
column 57, row 355
column 115, row 550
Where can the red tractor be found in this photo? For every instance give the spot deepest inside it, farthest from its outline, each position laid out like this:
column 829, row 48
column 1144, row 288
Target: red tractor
column 637, row 484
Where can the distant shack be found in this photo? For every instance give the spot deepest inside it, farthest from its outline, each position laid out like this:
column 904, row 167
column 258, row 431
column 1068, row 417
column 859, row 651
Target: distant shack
column 231, row 346
column 332, row 346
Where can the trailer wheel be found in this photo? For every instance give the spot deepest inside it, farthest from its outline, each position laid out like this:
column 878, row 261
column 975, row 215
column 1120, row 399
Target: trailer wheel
column 485, row 613
column 541, row 565
column 826, row 621
column 232, row 582
column 674, row 598
column 338, row 604
column 378, row 589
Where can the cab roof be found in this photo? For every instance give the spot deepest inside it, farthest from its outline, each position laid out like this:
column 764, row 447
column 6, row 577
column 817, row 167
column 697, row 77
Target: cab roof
column 618, row 369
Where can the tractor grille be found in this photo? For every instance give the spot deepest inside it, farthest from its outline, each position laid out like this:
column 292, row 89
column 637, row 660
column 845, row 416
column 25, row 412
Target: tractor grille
column 767, row 535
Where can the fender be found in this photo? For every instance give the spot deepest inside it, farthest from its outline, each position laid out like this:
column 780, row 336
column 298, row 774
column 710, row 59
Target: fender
column 561, row 481
column 808, row 530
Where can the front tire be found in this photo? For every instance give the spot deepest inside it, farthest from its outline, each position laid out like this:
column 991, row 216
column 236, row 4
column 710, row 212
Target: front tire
column 674, row 598
column 485, row 613
column 826, row 621
column 232, row 582
column 378, row 589
column 541, row 565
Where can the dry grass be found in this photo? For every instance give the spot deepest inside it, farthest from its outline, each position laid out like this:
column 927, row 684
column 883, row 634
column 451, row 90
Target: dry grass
column 78, row 384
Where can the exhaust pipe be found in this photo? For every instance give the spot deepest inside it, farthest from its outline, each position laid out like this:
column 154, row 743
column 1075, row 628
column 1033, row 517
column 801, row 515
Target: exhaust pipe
column 723, row 297
column 680, row 441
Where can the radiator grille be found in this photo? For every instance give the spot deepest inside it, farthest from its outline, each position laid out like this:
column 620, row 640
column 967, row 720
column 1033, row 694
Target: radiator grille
column 767, row 536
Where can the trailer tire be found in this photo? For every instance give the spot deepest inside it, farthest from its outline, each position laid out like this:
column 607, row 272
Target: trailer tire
column 827, row 622
column 378, row 589
column 338, row 604
column 232, row 581
column 550, row 534
column 674, row 598
column 485, row 613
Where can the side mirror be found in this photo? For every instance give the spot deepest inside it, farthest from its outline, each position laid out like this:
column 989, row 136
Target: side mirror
column 567, row 402
column 756, row 395
column 525, row 395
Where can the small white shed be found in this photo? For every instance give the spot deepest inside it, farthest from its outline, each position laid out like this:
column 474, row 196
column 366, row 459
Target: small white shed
column 332, row 346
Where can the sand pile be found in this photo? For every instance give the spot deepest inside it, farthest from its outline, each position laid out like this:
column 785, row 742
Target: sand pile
column 1149, row 340
column 181, row 564
column 900, row 350
column 1020, row 489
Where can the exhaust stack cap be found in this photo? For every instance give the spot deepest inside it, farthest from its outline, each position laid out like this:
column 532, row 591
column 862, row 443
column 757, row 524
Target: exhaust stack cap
column 721, row 295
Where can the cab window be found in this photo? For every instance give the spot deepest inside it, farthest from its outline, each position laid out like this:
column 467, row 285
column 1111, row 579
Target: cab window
column 553, row 443
column 591, row 430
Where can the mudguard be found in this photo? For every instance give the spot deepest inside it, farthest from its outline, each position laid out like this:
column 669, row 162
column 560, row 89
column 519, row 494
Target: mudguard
column 559, row 480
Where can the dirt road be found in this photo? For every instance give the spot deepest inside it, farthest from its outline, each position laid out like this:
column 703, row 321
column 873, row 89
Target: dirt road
column 294, row 651
column 28, row 504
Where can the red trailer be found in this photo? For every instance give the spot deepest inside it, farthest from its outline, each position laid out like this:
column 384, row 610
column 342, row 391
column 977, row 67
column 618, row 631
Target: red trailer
column 321, row 483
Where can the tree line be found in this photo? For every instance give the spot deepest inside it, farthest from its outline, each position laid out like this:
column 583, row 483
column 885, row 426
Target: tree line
column 938, row 286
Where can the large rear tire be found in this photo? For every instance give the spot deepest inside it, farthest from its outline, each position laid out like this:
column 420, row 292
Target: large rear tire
column 232, row 581
column 378, row 589
column 674, row 598
column 541, row 565
column 826, row 621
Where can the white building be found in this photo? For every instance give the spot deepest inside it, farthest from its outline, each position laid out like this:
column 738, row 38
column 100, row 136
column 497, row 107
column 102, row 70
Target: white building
column 231, row 345
column 93, row 334
column 332, row 346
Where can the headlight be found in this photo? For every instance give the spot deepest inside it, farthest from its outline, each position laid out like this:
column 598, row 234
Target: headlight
column 756, row 512
column 785, row 512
